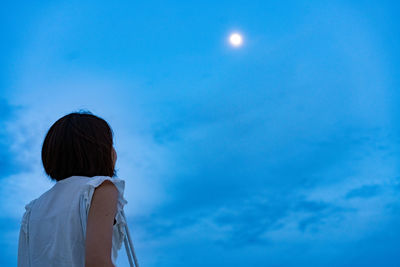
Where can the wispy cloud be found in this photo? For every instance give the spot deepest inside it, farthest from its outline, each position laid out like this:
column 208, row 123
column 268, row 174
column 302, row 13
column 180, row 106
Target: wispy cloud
column 8, row 160
column 365, row 191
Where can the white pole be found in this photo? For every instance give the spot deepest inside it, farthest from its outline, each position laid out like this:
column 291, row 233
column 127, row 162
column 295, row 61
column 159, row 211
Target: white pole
column 130, row 243
column 128, row 252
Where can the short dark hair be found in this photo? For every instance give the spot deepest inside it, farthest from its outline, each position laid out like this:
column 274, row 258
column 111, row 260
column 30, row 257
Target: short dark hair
column 78, row 144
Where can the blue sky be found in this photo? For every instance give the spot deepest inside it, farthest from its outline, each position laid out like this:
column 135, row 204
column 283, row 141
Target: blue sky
column 283, row 152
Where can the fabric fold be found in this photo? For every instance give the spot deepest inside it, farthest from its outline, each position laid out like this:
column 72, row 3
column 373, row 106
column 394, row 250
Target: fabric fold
column 25, row 217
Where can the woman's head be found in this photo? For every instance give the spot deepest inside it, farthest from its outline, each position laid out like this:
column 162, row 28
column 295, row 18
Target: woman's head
column 79, row 144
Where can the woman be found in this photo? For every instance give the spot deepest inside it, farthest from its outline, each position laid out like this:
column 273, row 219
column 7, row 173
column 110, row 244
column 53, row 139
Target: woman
column 79, row 221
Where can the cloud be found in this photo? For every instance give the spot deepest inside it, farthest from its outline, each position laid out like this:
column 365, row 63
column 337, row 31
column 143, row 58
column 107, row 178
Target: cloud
column 366, row 191
column 9, row 240
column 8, row 158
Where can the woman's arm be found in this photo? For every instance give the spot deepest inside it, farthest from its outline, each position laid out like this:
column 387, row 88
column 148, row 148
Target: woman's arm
column 100, row 225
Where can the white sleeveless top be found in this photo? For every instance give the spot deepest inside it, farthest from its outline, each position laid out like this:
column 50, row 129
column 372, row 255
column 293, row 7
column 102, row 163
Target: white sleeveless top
column 53, row 227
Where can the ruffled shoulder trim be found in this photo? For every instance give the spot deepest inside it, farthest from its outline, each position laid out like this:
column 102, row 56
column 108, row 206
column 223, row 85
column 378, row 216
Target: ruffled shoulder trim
column 94, row 182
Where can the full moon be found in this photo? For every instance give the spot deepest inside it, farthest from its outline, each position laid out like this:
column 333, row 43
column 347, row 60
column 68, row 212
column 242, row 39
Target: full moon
column 236, row 39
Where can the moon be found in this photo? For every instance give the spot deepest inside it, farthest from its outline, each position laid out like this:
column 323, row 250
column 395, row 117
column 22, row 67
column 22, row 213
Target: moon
column 236, row 39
